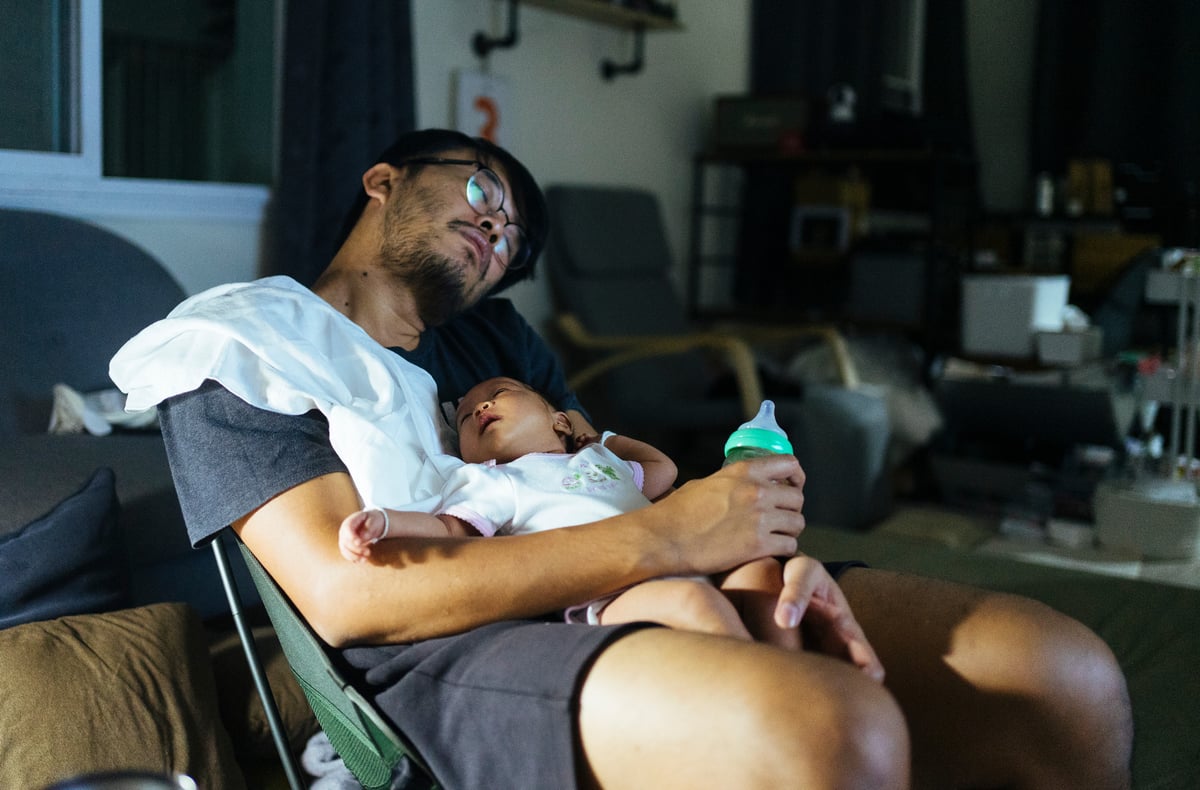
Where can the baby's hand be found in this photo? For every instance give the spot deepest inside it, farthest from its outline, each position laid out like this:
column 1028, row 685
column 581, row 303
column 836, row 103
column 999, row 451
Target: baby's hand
column 359, row 531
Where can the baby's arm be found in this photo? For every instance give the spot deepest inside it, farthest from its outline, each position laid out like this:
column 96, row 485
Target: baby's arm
column 658, row 470
column 361, row 529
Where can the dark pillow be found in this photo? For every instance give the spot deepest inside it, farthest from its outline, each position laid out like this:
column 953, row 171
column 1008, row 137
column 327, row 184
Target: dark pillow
column 68, row 561
column 128, row 690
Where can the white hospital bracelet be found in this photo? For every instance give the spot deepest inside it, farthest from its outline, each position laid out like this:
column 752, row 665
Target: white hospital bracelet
column 386, row 524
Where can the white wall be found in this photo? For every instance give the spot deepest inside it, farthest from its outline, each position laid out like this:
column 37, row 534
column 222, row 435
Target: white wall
column 203, row 234
column 567, row 123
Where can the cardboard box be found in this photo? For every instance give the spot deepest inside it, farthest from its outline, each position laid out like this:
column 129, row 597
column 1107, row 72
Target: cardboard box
column 1071, row 347
column 1002, row 313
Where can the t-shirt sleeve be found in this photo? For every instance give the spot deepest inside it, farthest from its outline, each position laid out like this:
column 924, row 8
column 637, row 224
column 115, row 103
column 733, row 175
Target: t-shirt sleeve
column 480, row 496
column 635, row 467
column 228, row 458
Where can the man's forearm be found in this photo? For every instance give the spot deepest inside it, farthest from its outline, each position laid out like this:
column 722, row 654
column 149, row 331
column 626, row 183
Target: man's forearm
column 416, row 588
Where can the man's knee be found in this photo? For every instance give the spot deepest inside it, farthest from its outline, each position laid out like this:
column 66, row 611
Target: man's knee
column 851, row 734
column 1078, row 699
column 726, row 713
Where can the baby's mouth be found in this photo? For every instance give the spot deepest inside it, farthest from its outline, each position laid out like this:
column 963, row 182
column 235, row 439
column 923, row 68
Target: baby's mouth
column 485, row 419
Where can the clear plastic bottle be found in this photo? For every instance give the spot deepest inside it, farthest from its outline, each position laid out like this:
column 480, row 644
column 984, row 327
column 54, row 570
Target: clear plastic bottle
column 758, row 437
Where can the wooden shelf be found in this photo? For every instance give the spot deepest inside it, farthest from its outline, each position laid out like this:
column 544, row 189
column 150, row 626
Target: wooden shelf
column 607, row 14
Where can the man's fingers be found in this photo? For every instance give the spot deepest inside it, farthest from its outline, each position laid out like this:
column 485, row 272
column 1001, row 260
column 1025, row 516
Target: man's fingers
column 776, row 468
column 810, row 595
column 798, row 583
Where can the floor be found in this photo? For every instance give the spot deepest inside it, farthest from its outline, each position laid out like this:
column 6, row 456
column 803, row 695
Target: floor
column 1062, row 544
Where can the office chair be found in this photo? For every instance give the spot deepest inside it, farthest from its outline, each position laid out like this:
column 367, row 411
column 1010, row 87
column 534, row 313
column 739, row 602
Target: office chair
column 655, row 375
column 370, row 747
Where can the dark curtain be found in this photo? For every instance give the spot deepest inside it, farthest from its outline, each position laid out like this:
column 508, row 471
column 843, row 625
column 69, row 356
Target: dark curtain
column 803, row 48
column 347, row 92
column 1120, row 79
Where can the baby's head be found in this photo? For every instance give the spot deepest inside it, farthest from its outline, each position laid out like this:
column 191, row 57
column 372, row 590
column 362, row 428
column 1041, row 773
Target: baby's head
column 503, row 419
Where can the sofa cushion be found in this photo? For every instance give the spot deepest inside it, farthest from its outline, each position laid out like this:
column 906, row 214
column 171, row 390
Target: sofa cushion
column 67, row 561
column 38, row 471
column 127, row 690
column 242, row 710
column 74, row 293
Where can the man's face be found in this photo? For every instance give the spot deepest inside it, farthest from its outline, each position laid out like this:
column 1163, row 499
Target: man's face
column 503, row 419
column 436, row 243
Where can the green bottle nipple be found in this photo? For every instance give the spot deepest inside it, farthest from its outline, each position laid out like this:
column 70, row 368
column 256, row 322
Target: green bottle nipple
column 760, row 436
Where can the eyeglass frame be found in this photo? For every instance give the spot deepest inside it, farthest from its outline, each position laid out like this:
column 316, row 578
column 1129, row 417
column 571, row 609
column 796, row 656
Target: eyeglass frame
column 515, row 263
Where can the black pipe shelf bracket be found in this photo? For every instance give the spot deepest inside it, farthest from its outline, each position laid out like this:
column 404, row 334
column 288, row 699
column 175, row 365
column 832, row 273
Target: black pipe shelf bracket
column 638, row 22
column 611, row 70
column 483, row 44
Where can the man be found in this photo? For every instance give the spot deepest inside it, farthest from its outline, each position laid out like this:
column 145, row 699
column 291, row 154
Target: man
column 449, row 635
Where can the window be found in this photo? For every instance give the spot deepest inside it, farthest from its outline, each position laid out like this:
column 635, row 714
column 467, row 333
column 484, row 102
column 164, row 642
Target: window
column 189, row 90
column 51, row 98
column 40, row 61
column 177, row 102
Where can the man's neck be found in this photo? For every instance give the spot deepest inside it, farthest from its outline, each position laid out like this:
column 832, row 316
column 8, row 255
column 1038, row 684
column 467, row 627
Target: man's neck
column 377, row 303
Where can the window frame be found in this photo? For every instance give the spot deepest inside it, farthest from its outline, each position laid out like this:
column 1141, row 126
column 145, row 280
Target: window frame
column 75, row 183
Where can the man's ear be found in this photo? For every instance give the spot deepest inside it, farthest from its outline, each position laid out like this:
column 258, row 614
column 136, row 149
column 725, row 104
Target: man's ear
column 379, row 181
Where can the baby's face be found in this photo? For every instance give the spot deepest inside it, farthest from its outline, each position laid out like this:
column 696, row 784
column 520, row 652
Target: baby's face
column 503, row 419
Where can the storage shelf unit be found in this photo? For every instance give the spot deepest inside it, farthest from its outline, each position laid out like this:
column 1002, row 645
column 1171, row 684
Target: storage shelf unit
column 921, row 207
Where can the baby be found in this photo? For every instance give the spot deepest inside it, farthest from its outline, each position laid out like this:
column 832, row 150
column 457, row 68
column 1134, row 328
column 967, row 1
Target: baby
column 522, row 476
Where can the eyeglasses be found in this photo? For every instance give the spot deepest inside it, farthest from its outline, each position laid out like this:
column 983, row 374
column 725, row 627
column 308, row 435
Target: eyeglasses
column 485, row 195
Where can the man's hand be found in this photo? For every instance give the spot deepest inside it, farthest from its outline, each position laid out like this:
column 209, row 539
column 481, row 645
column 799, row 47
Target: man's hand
column 735, row 515
column 811, row 599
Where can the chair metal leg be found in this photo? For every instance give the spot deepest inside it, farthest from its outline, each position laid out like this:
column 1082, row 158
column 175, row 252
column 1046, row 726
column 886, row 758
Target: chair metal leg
column 278, row 733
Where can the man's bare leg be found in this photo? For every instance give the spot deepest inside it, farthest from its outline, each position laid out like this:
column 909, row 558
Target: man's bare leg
column 663, row 708
column 997, row 690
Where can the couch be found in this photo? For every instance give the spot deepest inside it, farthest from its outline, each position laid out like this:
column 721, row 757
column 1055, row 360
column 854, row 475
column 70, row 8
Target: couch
column 116, row 644
column 114, row 637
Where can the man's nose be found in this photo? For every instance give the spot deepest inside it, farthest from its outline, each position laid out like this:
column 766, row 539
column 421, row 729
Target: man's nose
column 490, row 227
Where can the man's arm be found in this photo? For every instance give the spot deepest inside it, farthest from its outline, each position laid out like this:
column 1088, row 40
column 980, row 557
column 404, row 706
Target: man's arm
column 417, row 588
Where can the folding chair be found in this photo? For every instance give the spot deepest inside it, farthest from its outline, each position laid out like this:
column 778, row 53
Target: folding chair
column 370, row 747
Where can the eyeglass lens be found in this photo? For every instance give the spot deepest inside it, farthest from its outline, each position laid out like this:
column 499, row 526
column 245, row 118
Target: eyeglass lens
column 485, row 194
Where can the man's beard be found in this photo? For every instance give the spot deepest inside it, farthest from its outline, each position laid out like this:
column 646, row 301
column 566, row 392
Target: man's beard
column 438, row 284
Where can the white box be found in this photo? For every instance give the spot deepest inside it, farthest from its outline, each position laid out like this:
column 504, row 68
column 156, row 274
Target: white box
column 1069, row 348
column 1159, row 519
column 1002, row 313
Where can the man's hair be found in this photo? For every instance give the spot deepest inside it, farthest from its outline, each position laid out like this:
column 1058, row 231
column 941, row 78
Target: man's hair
column 527, row 196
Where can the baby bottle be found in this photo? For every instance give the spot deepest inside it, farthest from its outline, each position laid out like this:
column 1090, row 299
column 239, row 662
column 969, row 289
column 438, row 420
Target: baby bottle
column 758, row 437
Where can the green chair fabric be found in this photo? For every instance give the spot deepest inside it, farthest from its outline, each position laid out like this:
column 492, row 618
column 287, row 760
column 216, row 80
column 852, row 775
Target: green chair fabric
column 370, row 747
